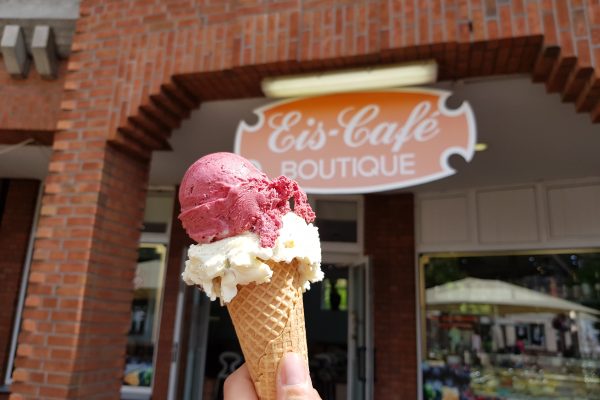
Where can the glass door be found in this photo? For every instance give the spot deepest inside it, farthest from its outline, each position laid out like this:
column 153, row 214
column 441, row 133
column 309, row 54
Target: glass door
column 326, row 313
column 187, row 375
column 338, row 325
column 196, row 357
column 360, row 349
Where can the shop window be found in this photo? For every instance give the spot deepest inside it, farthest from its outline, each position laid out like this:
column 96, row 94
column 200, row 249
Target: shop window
column 145, row 318
column 147, row 297
column 340, row 222
column 511, row 326
column 157, row 214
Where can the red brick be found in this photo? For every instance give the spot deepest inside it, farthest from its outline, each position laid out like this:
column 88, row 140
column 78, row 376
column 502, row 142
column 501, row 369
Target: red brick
column 24, row 350
column 562, row 13
column 54, row 392
column 550, row 32
column 33, row 301
column 58, row 379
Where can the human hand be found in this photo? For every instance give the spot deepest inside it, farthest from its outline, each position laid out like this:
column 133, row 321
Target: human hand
column 293, row 382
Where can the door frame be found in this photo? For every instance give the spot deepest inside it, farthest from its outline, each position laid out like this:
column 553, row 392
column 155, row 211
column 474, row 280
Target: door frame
column 363, row 262
column 358, row 261
column 201, row 330
column 176, row 346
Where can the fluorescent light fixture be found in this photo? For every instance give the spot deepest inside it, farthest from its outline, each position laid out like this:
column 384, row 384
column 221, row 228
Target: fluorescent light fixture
column 481, row 146
column 389, row 76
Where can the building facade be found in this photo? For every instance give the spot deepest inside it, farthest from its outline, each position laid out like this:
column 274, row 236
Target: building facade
column 135, row 70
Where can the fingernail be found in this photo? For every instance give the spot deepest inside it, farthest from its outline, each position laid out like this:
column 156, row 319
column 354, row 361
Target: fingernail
column 293, row 370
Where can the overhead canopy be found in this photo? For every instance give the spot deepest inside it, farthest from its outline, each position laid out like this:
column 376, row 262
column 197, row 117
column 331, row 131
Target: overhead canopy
column 505, row 296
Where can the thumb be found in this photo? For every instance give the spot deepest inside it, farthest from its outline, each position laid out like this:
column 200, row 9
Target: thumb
column 293, row 379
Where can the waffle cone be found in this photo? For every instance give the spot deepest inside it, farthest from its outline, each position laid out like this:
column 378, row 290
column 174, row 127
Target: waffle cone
column 269, row 322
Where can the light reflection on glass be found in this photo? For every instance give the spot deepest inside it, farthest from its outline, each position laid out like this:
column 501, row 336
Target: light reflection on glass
column 521, row 326
column 145, row 312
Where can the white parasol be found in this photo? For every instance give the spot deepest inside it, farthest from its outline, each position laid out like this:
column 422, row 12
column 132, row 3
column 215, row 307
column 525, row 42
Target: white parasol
column 505, row 297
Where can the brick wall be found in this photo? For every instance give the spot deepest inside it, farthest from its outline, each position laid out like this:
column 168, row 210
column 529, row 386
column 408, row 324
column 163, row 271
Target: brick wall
column 146, row 63
column 15, row 227
column 78, row 305
column 29, row 107
column 390, row 243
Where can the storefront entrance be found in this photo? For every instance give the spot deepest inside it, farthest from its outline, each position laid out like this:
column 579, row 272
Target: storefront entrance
column 338, row 324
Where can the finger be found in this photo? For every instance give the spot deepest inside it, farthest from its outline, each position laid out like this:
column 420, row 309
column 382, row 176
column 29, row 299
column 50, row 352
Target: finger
column 239, row 386
column 315, row 395
column 293, row 382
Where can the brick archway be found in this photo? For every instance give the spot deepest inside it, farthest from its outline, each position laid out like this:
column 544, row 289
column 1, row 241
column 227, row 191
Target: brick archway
column 571, row 76
column 139, row 67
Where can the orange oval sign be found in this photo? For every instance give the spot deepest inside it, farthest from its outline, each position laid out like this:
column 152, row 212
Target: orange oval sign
column 359, row 142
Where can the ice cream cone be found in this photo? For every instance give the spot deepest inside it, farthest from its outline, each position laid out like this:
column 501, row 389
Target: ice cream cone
column 269, row 322
column 254, row 253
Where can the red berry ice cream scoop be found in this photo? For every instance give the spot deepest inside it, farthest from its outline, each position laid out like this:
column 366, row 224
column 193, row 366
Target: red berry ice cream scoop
column 223, row 195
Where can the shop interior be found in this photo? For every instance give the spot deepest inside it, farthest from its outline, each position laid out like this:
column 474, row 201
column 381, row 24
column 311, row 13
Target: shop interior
column 512, row 326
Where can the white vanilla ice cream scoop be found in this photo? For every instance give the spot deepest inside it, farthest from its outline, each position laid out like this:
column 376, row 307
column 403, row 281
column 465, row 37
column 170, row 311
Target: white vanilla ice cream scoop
column 220, row 266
